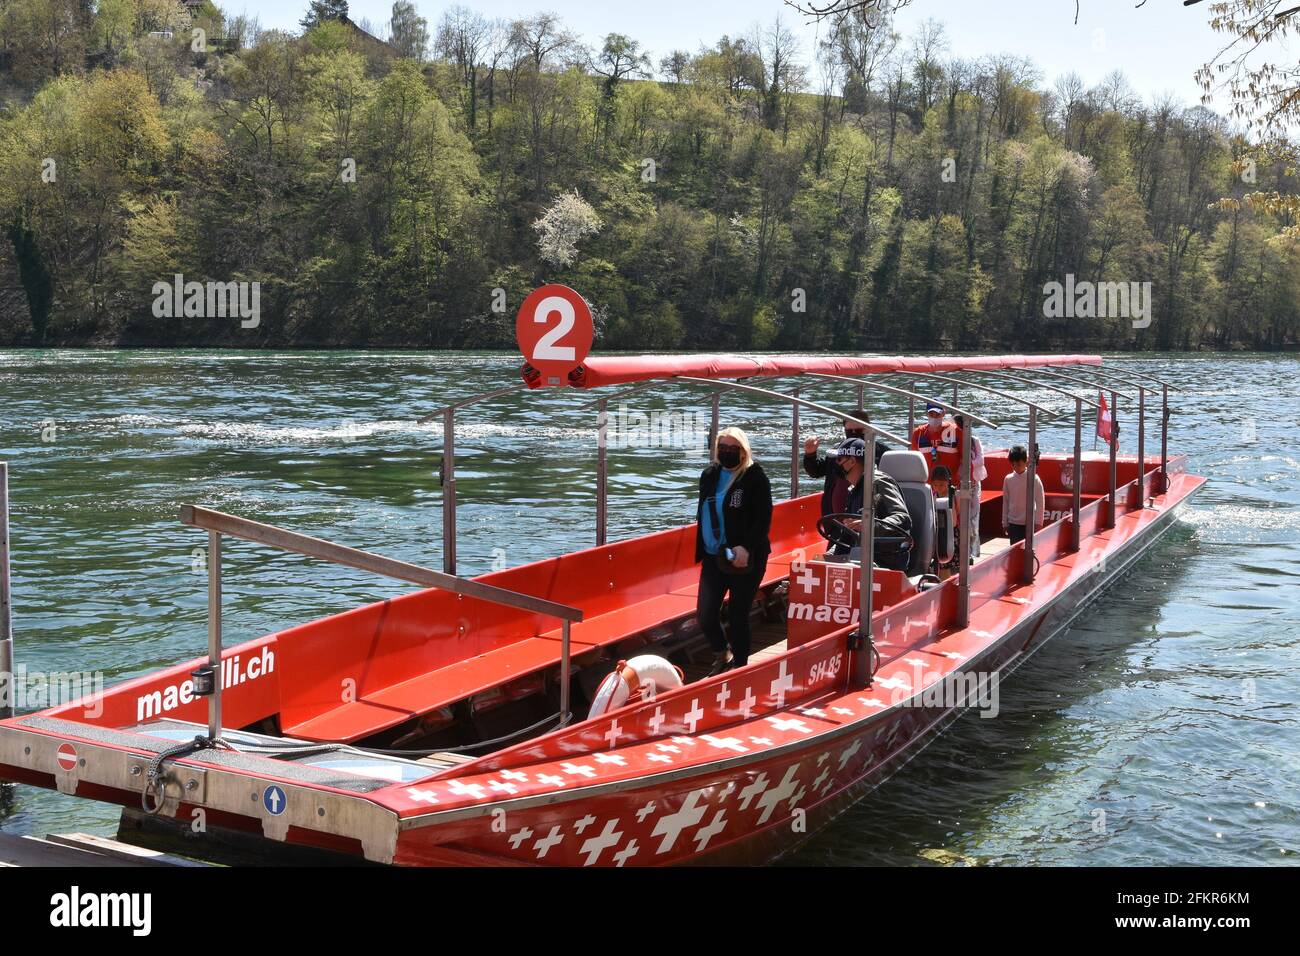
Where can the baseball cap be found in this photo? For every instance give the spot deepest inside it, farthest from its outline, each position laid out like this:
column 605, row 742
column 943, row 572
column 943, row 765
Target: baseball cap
column 849, row 448
column 933, row 408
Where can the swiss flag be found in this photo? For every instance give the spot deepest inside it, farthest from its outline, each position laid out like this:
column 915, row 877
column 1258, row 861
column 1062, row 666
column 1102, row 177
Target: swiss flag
column 1107, row 427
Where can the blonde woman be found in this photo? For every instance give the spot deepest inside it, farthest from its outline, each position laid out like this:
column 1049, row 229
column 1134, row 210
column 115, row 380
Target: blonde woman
column 731, row 543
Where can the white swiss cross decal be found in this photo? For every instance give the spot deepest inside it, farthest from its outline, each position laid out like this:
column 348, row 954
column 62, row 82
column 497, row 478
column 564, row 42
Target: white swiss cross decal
column 693, row 716
column 578, row 770
column 543, row 846
column 724, row 695
column 725, row 743
column 782, row 683
column 514, row 775
column 500, row 787
column 781, row 723
column 520, row 837
column 807, row 580
column 778, row 794
column 421, row 796
column 614, row 732
column 754, row 789
column 550, row 779
column 670, row 826
column 847, row 753
column 611, row 758
column 625, row 854
column 645, row 811
column 585, row 822
column 469, row 789
column 656, row 721
column 705, row 834
column 597, row 845
column 747, row 704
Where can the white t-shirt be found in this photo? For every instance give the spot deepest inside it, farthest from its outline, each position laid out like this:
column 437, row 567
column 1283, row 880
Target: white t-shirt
column 977, row 470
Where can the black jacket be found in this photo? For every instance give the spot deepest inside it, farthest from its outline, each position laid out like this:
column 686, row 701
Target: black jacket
column 890, row 511
column 817, row 465
column 746, row 512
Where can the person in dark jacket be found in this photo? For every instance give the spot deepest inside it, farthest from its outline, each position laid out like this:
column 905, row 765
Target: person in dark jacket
column 892, row 518
column 734, row 516
column 835, row 490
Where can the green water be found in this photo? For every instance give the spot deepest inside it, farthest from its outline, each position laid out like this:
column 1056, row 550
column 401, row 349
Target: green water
column 1160, row 729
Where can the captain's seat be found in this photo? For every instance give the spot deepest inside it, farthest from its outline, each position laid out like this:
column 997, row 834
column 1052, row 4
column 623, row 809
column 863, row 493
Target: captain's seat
column 909, row 469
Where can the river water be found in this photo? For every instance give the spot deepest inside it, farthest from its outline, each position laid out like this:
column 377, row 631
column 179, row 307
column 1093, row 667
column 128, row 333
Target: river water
column 1161, row 728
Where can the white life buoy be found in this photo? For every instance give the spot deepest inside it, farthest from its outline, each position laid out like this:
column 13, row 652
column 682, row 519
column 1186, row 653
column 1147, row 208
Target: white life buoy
column 646, row 675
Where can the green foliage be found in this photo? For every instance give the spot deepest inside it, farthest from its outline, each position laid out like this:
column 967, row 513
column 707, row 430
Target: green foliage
column 380, row 200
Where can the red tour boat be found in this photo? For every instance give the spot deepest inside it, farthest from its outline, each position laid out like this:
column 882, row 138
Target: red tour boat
column 450, row 725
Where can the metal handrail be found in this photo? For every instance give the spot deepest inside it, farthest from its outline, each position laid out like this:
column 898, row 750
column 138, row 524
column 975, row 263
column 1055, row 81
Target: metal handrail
column 217, row 523
column 953, row 380
column 1129, row 370
column 906, row 394
column 1111, row 376
column 1037, row 384
column 1075, row 379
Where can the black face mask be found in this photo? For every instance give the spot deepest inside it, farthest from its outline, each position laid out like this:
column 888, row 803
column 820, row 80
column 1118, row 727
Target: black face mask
column 855, row 433
column 728, row 457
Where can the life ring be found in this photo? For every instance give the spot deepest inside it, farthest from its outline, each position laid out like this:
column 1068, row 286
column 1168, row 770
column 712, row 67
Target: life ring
column 647, row 675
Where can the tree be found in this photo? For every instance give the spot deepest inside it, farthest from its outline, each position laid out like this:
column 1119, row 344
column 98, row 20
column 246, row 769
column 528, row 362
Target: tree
column 566, row 222
column 321, row 11
column 408, row 31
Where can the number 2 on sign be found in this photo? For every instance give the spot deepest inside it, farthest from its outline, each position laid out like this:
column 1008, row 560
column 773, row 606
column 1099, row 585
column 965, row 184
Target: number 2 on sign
column 546, row 349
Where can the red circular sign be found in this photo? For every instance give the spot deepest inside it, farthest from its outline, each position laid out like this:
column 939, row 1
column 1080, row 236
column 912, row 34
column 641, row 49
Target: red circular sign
column 554, row 331
column 66, row 756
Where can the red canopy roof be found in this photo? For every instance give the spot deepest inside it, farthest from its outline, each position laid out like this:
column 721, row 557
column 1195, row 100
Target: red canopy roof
column 619, row 369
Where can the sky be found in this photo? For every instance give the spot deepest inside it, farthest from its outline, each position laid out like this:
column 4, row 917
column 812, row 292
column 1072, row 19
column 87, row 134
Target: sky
column 1158, row 46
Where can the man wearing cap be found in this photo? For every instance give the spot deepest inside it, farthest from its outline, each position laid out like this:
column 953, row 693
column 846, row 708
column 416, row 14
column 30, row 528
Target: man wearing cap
column 888, row 507
column 940, row 440
column 835, row 490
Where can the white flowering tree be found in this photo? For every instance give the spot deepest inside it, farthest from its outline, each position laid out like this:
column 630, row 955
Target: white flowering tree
column 566, row 222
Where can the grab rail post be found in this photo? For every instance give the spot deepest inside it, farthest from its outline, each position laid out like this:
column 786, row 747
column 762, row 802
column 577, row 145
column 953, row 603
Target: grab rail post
column 866, row 564
column 1142, row 452
column 8, row 682
column 794, row 447
column 214, row 633
column 1164, row 439
column 602, row 471
column 449, row 490
column 1031, row 498
column 963, row 533
column 1114, row 445
column 713, row 422
column 1076, row 503
column 565, row 670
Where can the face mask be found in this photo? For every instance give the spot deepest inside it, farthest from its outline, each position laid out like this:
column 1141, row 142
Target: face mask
column 728, row 457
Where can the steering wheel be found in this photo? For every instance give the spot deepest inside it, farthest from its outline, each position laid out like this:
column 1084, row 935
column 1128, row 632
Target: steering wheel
column 832, row 527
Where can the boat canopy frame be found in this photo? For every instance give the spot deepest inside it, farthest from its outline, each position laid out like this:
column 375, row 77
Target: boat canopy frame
column 1029, row 374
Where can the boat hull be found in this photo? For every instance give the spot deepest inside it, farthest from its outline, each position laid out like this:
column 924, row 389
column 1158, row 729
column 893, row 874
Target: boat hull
column 755, row 814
